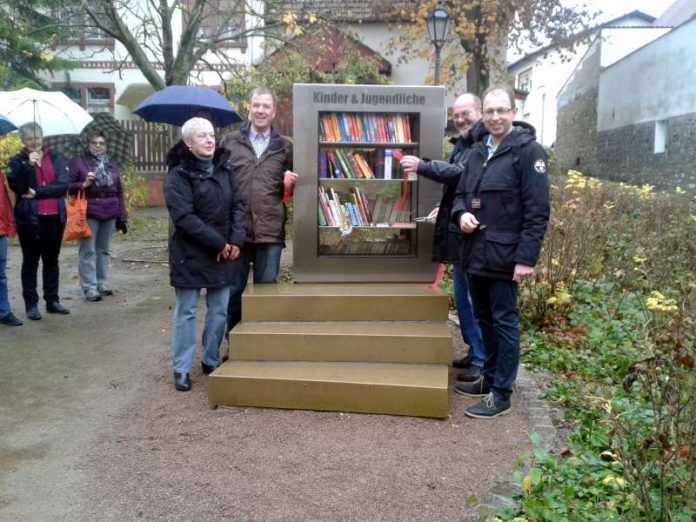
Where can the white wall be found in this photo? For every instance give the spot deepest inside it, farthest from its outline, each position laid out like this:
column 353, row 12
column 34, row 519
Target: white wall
column 619, row 42
column 414, row 72
column 663, row 82
column 549, row 73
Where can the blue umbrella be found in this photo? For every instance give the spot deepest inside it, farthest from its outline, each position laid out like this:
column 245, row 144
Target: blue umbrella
column 6, row 125
column 177, row 103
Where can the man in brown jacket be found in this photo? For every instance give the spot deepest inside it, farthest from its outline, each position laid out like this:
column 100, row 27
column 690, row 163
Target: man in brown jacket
column 262, row 166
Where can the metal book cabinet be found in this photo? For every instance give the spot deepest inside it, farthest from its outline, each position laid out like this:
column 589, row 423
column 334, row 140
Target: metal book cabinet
column 355, row 212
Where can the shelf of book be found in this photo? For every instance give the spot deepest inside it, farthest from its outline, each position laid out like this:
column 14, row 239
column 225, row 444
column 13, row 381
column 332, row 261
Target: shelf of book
column 355, row 211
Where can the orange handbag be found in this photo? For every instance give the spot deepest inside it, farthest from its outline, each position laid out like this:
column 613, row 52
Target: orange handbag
column 76, row 226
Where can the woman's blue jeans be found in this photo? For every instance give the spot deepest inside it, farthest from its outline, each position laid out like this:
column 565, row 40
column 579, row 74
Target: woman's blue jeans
column 95, row 253
column 184, row 326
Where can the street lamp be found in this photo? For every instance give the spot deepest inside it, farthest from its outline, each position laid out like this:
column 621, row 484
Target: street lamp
column 438, row 26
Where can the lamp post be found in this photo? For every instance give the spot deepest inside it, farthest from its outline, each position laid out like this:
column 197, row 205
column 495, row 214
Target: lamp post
column 438, row 21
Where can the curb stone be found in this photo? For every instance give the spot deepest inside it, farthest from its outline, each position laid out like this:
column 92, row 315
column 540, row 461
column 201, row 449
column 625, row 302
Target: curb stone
column 539, row 421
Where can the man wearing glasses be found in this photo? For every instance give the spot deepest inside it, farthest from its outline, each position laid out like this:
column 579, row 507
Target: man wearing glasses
column 502, row 207
column 466, row 115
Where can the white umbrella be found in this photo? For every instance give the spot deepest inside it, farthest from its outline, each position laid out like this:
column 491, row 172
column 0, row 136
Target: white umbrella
column 52, row 110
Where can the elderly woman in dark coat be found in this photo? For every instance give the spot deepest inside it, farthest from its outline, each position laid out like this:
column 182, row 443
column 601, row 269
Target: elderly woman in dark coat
column 208, row 216
column 39, row 178
column 99, row 177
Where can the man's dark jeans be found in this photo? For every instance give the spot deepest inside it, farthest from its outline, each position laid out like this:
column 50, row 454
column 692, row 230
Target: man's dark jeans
column 266, row 260
column 40, row 242
column 495, row 308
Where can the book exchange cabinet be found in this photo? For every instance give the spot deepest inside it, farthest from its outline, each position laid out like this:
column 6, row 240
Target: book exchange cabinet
column 357, row 216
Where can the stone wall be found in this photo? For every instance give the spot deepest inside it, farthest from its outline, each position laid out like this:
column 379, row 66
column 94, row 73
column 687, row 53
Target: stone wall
column 626, row 154
column 576, row 134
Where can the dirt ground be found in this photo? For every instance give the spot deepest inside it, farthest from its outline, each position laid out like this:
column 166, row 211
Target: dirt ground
column 91, row 427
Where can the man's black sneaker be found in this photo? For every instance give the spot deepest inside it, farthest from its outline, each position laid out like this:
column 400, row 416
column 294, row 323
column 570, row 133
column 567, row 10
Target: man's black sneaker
column 470, row 374
column 464, row 362
column 479, row 388
column 489, row 407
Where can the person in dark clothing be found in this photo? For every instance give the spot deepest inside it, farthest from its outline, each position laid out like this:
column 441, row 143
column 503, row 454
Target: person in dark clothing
column 99, row 177
column 466, row 114
column 262, row 163
column 39, row 178
column 502, row 206
column 208, row 215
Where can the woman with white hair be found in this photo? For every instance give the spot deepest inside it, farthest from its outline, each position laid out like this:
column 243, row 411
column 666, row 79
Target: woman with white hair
column 208, row 216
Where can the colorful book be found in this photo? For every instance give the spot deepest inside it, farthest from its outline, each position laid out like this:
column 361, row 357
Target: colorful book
column 345, row 165
column 323, row 164
column 388, row 164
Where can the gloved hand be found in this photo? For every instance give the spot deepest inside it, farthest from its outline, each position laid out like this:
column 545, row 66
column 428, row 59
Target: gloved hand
column 122, row 226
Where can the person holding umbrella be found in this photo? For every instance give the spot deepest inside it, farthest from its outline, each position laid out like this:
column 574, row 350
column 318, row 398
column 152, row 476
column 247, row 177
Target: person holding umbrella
column 208, row 215
column 99, row 177
column 39, row 179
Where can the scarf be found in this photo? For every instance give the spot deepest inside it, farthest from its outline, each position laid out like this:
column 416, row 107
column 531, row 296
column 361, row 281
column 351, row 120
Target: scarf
column 101, row 172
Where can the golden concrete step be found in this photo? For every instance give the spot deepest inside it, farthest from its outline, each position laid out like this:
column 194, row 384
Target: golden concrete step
column 343, row 302
column 398, row 389
column 358, row 341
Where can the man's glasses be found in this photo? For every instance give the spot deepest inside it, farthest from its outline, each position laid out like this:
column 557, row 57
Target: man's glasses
column 501, row 111
column 462, row 115
column 98, row 143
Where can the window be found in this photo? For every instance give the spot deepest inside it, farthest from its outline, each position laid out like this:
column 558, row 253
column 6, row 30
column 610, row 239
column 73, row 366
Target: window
column 221, row 23
column 76, row 24
column 660, row 137
column 98, row 99
column 93, row 97
column 524, row 80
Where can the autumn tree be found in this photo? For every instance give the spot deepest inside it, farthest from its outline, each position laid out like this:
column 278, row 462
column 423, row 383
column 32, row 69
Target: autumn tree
column 484, row 29
column 26, row 31
column 148, row 31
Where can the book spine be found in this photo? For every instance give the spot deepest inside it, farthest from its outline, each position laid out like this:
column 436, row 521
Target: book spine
column 354, row 165
column 323, row 164
column 366, row 206
column 364, row 166
column 345, row 167
column 388, row 163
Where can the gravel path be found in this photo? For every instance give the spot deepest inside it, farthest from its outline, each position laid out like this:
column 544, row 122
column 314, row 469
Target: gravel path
column 92, row 429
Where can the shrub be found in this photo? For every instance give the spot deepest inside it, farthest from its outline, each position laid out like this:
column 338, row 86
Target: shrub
column 609, row 315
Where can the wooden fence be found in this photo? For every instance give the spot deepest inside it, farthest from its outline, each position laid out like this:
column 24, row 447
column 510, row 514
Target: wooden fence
column 150, row 144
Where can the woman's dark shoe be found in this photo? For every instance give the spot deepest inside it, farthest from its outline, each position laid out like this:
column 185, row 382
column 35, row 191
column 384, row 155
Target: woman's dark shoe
column 182, row 381
column 33, row 313
column 56, row 308
column 207, row 369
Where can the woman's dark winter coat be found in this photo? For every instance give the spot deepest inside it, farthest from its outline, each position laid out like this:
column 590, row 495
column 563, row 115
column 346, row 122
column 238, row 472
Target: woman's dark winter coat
column 21, row 176
column 208, row 212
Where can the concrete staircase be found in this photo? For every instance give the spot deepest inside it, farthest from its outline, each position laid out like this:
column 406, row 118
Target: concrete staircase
column 340, row 347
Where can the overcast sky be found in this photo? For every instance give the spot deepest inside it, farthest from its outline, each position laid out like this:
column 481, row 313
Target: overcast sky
column 615, row 8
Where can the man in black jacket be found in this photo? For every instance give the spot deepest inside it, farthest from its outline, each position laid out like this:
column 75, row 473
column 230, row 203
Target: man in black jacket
column 466, row 114
column 502, row 206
